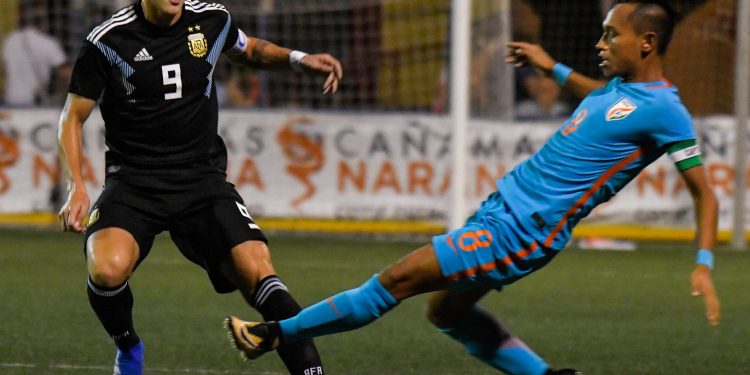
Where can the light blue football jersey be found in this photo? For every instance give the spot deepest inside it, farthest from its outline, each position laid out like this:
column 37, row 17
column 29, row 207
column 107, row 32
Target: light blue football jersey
column 614, row 133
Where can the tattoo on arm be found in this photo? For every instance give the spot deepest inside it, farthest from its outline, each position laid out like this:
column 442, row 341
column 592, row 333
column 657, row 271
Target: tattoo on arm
column 263, row 54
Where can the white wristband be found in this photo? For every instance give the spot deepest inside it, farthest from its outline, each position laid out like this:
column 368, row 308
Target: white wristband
column 295, row 59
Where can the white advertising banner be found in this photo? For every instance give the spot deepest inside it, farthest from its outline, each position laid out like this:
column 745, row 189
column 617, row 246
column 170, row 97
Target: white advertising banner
column 360, row 166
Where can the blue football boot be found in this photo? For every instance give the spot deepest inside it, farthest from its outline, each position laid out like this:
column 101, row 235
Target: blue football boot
column 130, row 362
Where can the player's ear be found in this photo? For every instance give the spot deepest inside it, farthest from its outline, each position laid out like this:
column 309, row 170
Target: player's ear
column 648, row 43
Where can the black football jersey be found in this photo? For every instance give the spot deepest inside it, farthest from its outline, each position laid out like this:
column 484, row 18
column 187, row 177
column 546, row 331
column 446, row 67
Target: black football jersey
column 158, row 98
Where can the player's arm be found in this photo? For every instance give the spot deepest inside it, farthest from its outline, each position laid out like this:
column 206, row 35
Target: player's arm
column 521, row 54
column 262, row 54
column 688, row 160
column 70, row 129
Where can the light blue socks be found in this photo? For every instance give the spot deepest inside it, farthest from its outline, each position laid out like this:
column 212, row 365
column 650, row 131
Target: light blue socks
column 343, row 312
column 486, row 339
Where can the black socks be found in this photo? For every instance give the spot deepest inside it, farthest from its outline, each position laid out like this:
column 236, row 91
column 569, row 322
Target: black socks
column 274, row 302
column 113, row 307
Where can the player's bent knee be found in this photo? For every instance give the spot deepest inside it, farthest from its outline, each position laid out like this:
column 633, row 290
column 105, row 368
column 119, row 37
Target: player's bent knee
column 416, row 273
column 109, row 272
column 441, row 316
column 110, row 269
column 111, row 256
column 446, row 312
column 395, row 278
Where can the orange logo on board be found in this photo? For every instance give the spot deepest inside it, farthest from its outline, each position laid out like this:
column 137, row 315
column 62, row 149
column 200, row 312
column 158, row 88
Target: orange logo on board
column 8, row 156
column 305, row 156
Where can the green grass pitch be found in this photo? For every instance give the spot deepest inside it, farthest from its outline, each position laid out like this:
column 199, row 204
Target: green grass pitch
column 600, row 312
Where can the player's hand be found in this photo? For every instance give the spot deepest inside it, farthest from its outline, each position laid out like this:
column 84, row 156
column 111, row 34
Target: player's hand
column 521, row 54
column 703, row 285
column 324, row 64
column 73, row 213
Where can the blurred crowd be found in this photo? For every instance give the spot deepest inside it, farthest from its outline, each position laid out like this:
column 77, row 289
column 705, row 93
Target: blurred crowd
column 386, row 67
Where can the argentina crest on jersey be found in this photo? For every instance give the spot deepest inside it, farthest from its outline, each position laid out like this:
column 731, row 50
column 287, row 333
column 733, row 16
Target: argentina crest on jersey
column 197, row 43
column 94, row 216
column 618, row 111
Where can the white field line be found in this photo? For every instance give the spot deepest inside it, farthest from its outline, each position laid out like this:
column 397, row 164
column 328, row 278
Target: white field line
column 64, row 366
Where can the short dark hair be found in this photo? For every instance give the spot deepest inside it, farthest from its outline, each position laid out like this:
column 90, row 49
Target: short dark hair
column 657, row 16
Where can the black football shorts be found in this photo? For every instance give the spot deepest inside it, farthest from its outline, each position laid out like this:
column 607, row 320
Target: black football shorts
column 205, row 220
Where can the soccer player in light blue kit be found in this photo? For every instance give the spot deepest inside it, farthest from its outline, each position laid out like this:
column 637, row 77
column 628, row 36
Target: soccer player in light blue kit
column 618, row 129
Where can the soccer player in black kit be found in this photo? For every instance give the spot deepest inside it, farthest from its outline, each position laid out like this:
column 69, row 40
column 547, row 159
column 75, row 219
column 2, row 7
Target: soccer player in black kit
column 152, row 66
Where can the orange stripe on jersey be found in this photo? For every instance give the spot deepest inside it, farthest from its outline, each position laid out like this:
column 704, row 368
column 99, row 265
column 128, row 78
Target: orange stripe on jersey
column 490, row 266
column 587, row 195
column 449, row 240
column 523, row 253
column 333, row 306
column 666, row 85
column 526, row 252
column 487, row 267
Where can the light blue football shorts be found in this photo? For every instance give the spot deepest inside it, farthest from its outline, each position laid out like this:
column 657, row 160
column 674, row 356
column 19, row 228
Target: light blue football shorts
column 491, row 250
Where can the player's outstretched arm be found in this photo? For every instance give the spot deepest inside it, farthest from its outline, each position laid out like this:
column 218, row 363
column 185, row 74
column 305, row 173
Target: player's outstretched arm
column 522, row 54
column 706, row 212
column 77, row 109
column 263, row 54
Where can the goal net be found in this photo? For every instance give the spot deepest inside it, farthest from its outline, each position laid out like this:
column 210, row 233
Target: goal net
column 378, row 149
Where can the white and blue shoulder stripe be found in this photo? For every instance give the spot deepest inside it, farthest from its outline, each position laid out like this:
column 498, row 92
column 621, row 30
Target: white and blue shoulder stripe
column 122, row 17
column 200, row 7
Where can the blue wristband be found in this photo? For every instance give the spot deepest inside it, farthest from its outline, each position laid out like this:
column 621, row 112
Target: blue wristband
column 705, row 257
column 561, row 72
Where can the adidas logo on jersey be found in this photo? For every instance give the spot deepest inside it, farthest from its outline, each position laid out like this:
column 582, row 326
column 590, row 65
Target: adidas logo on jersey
column 143, row 56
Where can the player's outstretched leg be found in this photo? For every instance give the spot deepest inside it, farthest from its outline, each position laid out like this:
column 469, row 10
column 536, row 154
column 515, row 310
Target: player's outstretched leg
column 256, row 279
column 111, row 255
column 484, row 337
column 416, row 273
column 343, row 312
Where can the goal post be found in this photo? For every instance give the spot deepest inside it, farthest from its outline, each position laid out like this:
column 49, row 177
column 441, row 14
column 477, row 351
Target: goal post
column 742, row 109
column 460, row 56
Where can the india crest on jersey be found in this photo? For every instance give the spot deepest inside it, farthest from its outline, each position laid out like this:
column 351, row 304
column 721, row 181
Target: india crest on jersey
column 197, row 44
column 620, row 110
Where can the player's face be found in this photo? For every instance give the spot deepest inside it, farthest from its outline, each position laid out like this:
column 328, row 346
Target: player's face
column 165, row 7
column 620, row 46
